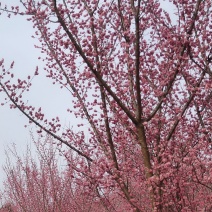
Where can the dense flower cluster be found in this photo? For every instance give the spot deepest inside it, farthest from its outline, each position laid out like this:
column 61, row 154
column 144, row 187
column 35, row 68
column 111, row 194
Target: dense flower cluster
column 141, row 78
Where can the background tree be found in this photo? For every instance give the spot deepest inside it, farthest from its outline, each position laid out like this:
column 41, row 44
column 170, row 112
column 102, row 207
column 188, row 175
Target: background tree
column 40, row 184
column 140, row 79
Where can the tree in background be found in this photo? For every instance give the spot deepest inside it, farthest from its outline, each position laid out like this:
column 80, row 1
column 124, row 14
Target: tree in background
column 39, row 184
column 140, row 79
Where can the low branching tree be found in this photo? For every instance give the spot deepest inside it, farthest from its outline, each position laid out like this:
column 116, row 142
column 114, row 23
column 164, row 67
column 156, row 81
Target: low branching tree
column 41, row 184
column 141, row 78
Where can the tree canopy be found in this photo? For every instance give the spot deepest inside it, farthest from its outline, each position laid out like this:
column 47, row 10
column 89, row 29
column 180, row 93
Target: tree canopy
column 141, row 82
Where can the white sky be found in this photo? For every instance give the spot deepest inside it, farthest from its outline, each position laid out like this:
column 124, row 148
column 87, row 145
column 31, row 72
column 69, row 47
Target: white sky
column 17, row 45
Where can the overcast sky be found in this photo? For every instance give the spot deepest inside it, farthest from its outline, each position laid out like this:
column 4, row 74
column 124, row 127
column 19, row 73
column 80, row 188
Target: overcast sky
column 17, row 45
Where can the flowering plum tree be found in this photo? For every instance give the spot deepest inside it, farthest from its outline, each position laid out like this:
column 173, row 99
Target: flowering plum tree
column 39, row 185
column 141, row 78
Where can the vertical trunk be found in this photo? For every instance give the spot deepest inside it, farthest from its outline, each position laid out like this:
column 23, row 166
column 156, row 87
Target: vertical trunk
column 146, row 159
